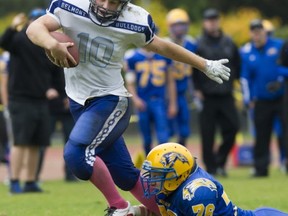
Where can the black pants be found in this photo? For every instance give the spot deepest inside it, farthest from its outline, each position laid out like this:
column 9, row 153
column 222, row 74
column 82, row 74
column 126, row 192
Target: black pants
column 264, row 115
column 218, row 111
column 285, row 121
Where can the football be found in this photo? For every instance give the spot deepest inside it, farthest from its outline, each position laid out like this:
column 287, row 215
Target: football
column 73, row 50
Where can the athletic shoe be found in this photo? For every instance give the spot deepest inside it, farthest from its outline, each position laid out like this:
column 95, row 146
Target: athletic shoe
column 221, row 172
column 112, row 211
column 32, row 187
column 15, row 187
column 140, row 210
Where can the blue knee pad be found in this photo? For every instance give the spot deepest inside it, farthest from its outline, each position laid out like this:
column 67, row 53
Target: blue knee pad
column 74, row 156
column 266, row 211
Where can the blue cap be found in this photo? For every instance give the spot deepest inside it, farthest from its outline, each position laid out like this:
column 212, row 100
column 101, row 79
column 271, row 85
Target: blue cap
column 36, row 13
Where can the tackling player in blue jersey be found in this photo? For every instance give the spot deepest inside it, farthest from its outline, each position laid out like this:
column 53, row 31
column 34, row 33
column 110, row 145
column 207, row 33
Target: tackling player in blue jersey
column 182, row 188
column 103, row 30
column 149, row 80
column 178, row 23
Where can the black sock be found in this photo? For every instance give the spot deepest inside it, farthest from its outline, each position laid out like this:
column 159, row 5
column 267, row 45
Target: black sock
column 182, row 141
column 29, row 183
column 13, row 181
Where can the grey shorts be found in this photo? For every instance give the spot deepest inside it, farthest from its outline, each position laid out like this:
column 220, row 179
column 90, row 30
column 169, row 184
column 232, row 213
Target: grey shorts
column 30, row 123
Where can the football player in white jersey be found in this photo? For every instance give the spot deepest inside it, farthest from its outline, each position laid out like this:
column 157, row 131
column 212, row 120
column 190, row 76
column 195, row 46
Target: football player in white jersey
column 103, row 30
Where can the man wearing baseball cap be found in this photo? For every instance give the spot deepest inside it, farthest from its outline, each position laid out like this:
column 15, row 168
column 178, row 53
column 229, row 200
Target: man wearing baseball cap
column 218, row 102
column 262, row 89
column 211, row 13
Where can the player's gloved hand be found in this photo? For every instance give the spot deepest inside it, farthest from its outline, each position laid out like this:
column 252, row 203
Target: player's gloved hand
column 216, row 71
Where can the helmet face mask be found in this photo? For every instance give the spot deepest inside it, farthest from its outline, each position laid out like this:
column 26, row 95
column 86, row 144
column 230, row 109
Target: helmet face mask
column 153, row 178
column 179, row 30
column 166, row 167
column 104, row 16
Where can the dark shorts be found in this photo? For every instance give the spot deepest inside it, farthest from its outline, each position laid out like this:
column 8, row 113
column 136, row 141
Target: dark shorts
column 30, row 123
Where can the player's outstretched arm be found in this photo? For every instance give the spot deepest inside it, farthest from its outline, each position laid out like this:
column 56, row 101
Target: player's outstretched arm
column 215, row 70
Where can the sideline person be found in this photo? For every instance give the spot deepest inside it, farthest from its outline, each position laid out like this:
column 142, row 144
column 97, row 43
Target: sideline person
column 263, row 90
column 218, row 104
column 29, row 75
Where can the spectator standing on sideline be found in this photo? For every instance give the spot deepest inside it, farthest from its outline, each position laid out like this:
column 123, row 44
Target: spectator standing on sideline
column 183, row 188
column 277, row 125
column 219, row 108
column 150, row 81
column 178, row 23
column 103, row 30
column 59, row 113
column 262, row 89
column 284, row 62
column 28, row 82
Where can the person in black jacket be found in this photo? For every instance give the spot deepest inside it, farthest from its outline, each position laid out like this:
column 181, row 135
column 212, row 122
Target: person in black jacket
column 218, row 107
column 29, row 78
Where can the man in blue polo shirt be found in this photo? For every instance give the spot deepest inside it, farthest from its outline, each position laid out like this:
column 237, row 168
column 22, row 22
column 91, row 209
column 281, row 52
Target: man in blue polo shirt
column 262, row 89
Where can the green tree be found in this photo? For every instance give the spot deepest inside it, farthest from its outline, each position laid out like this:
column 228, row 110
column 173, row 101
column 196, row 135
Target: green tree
column 268, row 8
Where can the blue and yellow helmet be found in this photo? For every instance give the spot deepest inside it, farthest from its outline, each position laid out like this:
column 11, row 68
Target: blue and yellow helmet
column 177, row 15
column 166, row 167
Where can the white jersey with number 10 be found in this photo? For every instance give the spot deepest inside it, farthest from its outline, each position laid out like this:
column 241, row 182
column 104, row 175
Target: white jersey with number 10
column 101, row 48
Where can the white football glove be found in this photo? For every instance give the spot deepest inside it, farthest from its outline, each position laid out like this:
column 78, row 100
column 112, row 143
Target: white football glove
column 216, row 71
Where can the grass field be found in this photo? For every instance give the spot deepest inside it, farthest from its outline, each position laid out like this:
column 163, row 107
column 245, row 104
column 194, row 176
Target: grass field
column 81, row 199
